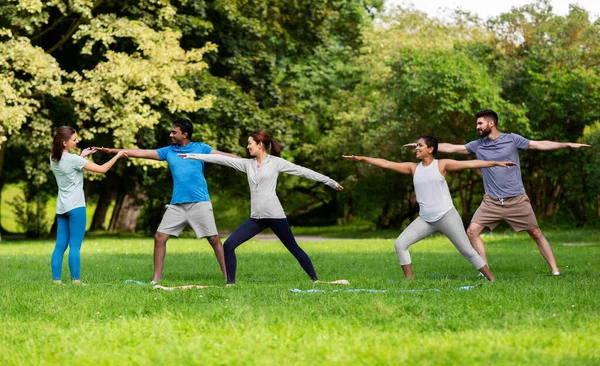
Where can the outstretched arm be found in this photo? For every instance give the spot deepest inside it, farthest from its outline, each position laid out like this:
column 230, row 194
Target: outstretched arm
column 285, row 166
column 449, row 165
column 221, row 159
column 445, row 148
column 132, row 153
column 546, row 145
column 403, row 168
column 93, row 167
column 224, row 154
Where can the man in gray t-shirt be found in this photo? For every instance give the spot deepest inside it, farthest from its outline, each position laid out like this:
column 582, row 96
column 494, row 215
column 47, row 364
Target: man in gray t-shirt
column 505, row 198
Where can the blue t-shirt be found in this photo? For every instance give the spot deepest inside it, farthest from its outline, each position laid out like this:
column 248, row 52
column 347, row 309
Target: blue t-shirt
column 189, row 184
column 501, row 182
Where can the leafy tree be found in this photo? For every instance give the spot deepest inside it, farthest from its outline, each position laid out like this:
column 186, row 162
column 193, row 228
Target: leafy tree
column 128, row 70
column 550, row 65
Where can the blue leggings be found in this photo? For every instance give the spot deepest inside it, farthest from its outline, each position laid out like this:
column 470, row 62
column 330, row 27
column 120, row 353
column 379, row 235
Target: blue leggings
column 70, row 232
column 249, row 229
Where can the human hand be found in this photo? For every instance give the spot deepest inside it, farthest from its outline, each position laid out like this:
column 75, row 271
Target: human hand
column 352, row 157
column 574, row 145
column 185, row 156
column 122, row 154
column 88, row 151
column 338, row 187
column 506, row 164
column 412, row 144
column 103, row 149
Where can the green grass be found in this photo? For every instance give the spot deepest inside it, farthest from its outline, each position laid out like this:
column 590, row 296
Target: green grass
column 525, row 317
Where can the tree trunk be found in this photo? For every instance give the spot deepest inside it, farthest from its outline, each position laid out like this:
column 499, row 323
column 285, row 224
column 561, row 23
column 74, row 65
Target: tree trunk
column 127, row 209
column 107, row 196
column 551, row 207
column 384, row 221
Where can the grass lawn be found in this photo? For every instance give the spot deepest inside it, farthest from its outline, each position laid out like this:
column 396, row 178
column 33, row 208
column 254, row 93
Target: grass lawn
column 525, row 317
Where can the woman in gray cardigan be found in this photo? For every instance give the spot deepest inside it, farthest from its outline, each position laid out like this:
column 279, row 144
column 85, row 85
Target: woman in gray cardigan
column 266, row 211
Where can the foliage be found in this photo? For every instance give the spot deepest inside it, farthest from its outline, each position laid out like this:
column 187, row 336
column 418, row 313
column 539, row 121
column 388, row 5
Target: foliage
column 551, row 65
column 325, row 78
column 30, row 216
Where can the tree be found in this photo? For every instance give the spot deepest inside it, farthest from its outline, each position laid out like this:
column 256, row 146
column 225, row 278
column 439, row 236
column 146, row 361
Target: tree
column 551, row 65
column 129, row 67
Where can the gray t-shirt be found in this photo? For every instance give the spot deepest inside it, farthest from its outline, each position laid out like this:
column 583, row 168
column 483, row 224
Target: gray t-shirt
column 501, row 182
column 69, row 178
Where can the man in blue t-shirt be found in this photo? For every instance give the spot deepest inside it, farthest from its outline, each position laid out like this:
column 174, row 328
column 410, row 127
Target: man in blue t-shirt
column 505, row 198
column 190, row 202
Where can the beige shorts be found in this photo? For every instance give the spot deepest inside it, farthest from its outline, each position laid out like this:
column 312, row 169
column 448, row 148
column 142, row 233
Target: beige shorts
column 516, row 211
column 199, row 215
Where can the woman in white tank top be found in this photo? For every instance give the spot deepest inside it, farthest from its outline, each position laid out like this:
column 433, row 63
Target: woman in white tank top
column 436, row 210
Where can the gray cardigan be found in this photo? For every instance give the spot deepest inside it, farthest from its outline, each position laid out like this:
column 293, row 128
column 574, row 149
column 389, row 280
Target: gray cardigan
column 263, row 198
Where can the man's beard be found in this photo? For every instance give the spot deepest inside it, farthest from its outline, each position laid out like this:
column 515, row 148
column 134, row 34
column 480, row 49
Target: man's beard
column 485, row 132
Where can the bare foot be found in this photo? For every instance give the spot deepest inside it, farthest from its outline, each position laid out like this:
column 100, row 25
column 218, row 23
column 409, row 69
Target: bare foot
column 58, row 282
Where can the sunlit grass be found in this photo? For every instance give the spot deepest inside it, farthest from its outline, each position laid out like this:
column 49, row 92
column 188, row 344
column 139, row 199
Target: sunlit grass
column 525, row 317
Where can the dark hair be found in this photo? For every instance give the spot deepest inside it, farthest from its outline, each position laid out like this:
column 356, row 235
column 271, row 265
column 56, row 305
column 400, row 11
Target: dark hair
column 185, row 125
column 488, row 114
column 272, row 146
column 430, row 141
column 63, row 134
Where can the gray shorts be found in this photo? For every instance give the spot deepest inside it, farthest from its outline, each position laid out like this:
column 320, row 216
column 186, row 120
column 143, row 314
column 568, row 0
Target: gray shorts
column 199, row 215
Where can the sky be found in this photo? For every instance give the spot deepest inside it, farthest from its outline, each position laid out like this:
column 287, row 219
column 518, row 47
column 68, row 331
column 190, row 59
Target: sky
column 486, row 8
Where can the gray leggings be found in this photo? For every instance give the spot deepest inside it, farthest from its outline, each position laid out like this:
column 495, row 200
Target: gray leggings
column 450, row 225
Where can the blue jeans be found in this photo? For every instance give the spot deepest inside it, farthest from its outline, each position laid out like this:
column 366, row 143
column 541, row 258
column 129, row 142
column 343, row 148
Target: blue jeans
column 70, row 232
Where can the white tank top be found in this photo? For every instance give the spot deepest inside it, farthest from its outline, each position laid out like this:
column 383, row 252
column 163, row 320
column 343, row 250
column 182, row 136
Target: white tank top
column 432, row 192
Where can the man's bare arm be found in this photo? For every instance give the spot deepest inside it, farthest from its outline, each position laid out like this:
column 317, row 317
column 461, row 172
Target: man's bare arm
column 452, row 149
column 446, row 148
column 545, row 145
column 132, row 153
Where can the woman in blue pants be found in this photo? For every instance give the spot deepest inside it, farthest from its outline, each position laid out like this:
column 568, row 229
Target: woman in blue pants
column 266, row 210
column 70, row 203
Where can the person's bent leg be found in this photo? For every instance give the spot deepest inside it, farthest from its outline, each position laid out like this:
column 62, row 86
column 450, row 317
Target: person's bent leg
column 544, row 247
column 243, row 233
column 62, row 241
column 160, row 251
column 451, row 225
column 474, row 234
column 77, row 222
column 215, row 243
column 416, row 231
column 282, row 229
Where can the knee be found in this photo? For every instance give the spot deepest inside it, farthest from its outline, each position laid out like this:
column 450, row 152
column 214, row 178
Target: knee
column 214, row 240
column 160, row 238
column 400, row 245
column 473, row 232
column 228, row 246
column 535, row 233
